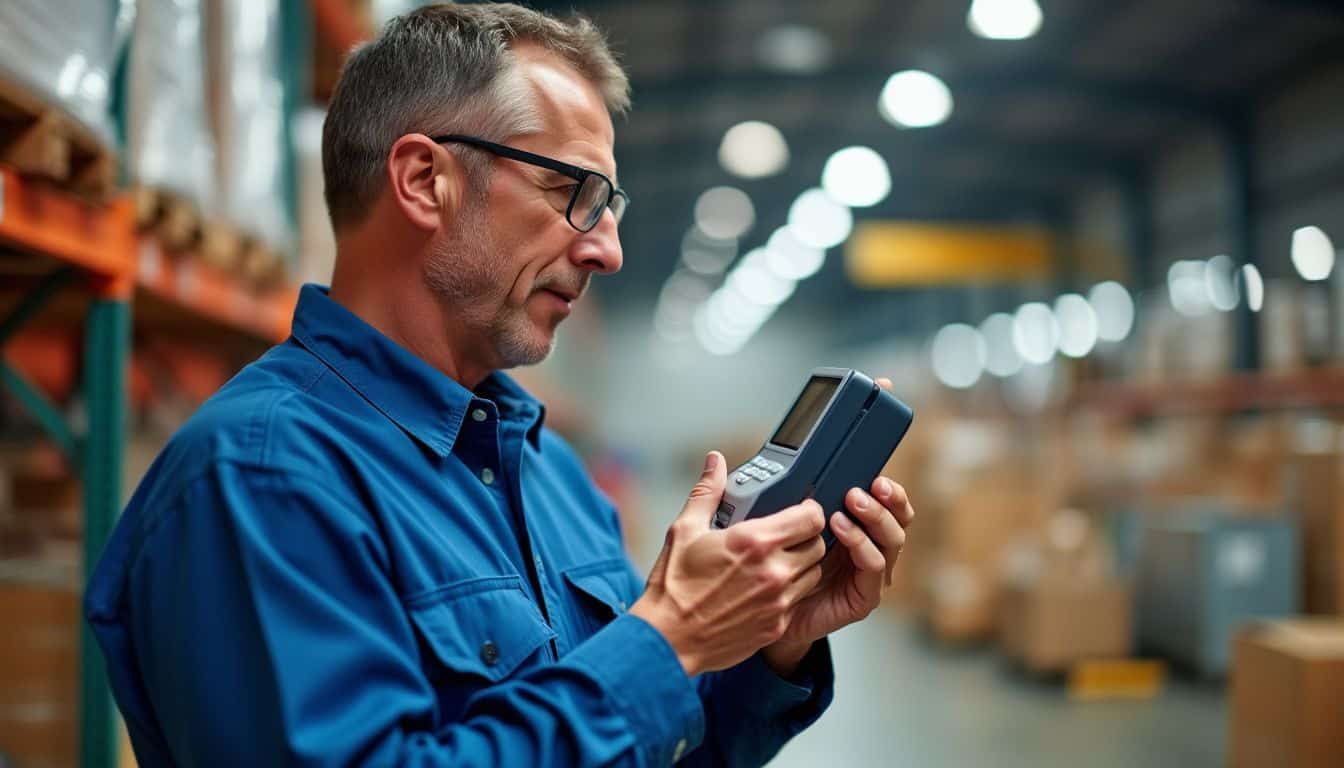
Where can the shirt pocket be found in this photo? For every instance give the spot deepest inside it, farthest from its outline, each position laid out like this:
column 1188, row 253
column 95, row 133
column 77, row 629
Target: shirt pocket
column 478, row 632
column 603, row 592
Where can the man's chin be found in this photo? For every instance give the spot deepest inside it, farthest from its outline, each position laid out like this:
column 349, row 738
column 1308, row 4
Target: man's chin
column 529, row 348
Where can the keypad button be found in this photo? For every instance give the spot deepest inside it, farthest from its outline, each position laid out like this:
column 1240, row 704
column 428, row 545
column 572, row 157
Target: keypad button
column 741, row 478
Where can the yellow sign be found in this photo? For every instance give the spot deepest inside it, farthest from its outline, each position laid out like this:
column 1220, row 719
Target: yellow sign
column 891, row 253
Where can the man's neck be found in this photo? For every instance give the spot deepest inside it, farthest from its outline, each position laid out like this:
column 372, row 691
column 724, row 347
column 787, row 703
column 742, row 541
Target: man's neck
column 394, row 299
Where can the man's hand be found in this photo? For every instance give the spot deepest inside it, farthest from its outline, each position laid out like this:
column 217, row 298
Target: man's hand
column 853, row 574
column 718, row 596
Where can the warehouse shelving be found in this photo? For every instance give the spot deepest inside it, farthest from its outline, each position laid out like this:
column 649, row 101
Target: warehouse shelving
column 52, row 244
column 1226, row 393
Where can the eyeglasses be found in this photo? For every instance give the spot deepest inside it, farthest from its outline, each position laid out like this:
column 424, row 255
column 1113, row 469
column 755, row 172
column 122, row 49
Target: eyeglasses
column 593, row 194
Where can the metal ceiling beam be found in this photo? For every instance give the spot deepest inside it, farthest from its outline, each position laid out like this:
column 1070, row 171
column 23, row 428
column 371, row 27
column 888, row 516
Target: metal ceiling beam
column 810, row 148
column 1152, row 96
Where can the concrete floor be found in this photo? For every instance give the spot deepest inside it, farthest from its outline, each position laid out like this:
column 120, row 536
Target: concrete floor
column 903, row 701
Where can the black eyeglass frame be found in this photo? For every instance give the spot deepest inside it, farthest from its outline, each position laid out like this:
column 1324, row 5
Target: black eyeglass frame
column 575, row 172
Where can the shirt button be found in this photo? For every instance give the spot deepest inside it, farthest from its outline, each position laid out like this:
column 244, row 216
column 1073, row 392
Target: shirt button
column 489, row 653
column 478, row 414
column 487, row 476
column 679, row 750
column 622, row 604
column 537, row 562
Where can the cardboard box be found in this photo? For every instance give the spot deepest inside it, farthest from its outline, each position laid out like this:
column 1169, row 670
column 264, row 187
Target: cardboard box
column 39, row 675
column 957, row 601
column 1287, row 686
column 1315, row 490
column 1051, row 625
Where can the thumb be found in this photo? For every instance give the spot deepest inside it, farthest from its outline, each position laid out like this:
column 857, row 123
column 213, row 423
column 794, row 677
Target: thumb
column 704, row 498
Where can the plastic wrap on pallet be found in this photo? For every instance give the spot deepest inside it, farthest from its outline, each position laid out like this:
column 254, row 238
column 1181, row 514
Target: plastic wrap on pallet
column 64, row 51
column 317, row 243
column 169, row 144
column 251, row 140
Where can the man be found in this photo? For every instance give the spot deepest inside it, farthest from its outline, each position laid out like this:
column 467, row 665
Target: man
column 367, row 548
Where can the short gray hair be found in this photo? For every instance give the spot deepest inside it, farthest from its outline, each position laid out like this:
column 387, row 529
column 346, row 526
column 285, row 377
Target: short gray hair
column 440, row 69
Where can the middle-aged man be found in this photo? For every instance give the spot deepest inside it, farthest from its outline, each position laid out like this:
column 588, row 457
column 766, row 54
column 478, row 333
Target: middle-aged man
column 367, row 548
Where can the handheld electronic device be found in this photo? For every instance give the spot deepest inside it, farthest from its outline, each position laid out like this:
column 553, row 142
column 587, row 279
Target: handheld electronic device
column 838, row 435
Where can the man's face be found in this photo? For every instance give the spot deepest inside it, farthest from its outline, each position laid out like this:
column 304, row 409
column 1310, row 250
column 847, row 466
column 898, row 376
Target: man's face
column 512, row 266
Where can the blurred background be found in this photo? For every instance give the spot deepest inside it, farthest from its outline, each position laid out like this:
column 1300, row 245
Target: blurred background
column 1091, row 241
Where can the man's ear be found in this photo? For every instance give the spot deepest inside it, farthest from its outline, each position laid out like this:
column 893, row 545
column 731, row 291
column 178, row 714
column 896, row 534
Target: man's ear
column 426, row 180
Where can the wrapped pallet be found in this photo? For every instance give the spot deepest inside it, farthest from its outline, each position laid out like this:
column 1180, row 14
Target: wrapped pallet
column 248, row 112
column 317, row 243
column 169, row 145
column 55, row 87
column 1203, row 572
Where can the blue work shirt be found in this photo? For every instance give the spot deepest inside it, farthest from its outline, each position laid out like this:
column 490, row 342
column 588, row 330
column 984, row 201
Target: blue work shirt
column 346, row 557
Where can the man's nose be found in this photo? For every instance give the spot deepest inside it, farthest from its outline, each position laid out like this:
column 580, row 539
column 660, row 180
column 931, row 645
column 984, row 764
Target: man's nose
column 599, row 249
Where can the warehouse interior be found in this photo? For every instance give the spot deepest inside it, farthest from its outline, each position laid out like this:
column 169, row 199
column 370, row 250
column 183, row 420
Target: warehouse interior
column 1090, row 242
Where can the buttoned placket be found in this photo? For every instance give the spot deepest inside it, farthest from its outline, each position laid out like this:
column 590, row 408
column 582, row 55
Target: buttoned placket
column 506, row 482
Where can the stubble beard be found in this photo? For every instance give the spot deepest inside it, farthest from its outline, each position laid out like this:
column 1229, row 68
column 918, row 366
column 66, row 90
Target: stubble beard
column 465, row 271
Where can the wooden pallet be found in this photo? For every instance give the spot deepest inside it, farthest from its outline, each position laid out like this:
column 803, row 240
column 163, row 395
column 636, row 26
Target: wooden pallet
column 39, row 139
column 1116, row 679
column 174, row 220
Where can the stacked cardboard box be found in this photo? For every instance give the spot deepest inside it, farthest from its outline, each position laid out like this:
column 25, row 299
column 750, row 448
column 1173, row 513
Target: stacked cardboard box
column 1315, row 490
column 39, row 669
column 1060, row 602
column 1287, row 685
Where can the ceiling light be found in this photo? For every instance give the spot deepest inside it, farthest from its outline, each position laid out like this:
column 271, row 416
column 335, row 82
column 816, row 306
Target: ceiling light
column 1001, row 357
column 1077, row 325
column 1185, row 288
column 1219, row 285
column 1313, row 253
column 1035, row 333
column 724, row 212
column 753, row 150
column 1253, row 286
column 760, row 286
column 1004, row 19
column 794, row 48
column 958, row 356
column 857, row 177
column 787, row 257
column 1114, row 308
column 915, row 99
column 816, row 219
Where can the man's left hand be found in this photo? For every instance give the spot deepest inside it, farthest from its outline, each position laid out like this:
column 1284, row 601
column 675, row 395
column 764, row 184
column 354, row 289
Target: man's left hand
column 853, row 574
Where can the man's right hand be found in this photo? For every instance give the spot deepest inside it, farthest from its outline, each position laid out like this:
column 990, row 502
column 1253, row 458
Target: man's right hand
column 718, row 596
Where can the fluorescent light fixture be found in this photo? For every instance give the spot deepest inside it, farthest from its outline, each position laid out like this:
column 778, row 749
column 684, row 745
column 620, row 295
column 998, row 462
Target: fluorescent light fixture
column 794, row 48
column 787, row 257
column 1077, row 325
column 915, row 99
column 1114, row 308
column 818, row 220
column 1004, row 19
column 1001, row 357
column 857, row 177
column 724, row 213
column 1313, row 253
column 753, row 150
column 1035, row 333
column 958, row 356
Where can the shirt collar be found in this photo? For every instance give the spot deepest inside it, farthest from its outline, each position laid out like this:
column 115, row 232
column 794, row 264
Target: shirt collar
column 421, row 400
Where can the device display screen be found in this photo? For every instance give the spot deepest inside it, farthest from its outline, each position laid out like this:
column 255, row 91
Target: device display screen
column 804, row 414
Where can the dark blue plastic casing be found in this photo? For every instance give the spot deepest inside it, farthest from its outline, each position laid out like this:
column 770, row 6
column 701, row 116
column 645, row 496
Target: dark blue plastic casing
column 848, row 444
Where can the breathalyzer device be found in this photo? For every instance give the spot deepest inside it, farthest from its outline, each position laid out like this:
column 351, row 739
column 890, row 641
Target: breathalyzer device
column 838, row 435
